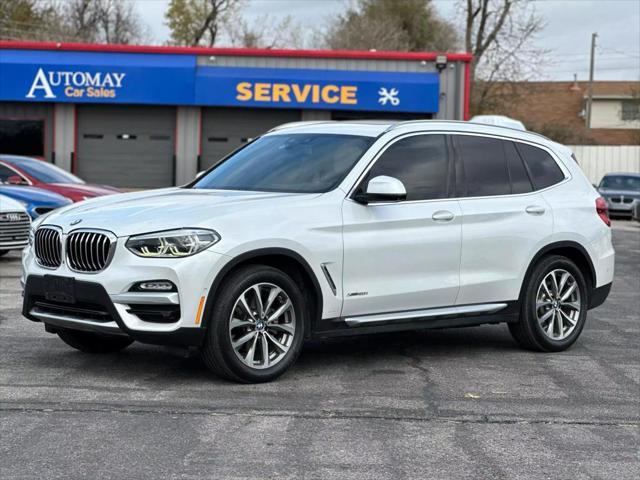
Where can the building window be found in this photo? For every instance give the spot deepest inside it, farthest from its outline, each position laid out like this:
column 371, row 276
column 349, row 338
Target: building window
column 22, row 137
column 630, row 110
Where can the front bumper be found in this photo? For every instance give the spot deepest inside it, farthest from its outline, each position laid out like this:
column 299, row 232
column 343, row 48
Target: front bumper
column 619, row 208
column 105, row 303
column 93, row 311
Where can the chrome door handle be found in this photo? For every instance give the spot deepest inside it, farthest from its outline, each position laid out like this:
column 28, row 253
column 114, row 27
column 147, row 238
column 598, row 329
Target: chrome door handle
column 443, row 216
column 534, row 210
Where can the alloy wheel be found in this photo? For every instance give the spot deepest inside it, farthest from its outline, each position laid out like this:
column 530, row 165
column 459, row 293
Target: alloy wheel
column 262, row 325
column 558, row 304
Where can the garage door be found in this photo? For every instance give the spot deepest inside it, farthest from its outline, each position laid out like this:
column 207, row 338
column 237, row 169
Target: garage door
column 126, row 146
column 225, row 129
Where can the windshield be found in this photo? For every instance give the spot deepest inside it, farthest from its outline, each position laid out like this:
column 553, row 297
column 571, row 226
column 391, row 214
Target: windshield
column 45, row 172
column 621, row 182
column 303, row 163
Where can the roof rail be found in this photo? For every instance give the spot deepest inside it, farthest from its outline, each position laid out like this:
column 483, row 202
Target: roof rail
column 410, row 122
column 297, row 124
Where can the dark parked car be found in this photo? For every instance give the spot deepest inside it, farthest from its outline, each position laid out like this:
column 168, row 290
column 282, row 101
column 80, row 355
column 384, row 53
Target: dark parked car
column 18, row 170
column 620, row 190
column 36, row 200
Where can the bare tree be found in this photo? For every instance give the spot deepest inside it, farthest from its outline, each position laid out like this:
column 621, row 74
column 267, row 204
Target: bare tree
column 264, row 32
column 499, row 35
column 119, row 22
column 198, row 22
column 81, row 18
column 104, row 21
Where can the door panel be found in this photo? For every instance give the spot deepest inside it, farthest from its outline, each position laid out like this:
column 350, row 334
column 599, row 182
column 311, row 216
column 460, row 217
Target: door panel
column 499, row 237
column 503, row 222
column 397, row 257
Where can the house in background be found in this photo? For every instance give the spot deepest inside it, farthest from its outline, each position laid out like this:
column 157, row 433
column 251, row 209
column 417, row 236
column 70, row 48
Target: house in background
column 615, row 111
column 558, row 110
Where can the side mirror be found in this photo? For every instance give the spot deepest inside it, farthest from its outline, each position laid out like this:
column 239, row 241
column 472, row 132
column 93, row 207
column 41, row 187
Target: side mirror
column 383, row 189
column 16, row 180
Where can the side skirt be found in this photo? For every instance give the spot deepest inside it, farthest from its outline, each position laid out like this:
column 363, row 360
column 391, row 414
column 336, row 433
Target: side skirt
column 448, row 317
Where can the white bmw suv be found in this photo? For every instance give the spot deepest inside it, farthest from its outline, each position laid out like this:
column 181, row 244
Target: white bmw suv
column 331, row 228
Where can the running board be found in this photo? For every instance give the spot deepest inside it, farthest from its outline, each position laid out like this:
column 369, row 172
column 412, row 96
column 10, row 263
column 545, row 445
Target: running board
column 431, row 313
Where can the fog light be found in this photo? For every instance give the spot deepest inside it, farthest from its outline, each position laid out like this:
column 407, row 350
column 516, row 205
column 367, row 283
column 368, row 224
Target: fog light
column 155, row 286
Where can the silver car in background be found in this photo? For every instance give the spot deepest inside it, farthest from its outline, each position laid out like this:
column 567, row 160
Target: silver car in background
column 621, row 191
column 14, row 225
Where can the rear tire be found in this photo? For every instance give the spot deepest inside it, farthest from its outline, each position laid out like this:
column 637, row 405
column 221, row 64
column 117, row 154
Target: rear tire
column 272, row 322
column 554, row 306
column 92, row 342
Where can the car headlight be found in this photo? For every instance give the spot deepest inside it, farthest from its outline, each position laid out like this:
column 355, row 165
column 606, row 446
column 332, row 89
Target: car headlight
column 172, row 243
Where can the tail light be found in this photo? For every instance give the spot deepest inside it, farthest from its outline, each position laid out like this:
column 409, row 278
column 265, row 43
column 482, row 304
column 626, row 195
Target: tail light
column 603, row 210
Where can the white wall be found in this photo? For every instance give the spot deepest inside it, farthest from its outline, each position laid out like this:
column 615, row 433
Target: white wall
column 597, row 160
column 608, row 114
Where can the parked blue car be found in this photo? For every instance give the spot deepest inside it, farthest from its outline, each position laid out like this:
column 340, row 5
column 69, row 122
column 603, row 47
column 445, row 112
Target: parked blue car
column 36, row 200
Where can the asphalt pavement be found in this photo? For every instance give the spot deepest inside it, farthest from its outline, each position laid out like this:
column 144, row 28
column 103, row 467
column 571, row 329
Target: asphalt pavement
column 439, row 404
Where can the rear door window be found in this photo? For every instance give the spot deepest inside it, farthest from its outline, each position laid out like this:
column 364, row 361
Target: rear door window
column 485, row 166
column 542, row 167
column 520, row 182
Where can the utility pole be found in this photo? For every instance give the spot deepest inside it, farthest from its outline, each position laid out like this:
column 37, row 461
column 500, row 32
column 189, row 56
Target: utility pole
column 590, row 89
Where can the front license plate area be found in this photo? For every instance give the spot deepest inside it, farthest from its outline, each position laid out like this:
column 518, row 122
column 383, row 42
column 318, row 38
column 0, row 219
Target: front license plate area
column 60, row 289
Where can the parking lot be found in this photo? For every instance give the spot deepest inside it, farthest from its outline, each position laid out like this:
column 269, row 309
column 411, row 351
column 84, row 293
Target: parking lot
column 458, row 403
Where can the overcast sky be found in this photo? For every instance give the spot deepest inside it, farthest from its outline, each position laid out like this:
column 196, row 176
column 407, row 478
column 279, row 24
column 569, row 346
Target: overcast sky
column 569, row 25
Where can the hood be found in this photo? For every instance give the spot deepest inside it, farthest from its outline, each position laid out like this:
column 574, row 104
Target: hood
column 614, row 192
column 32, row 195
column 8, row 204
column 154, row 210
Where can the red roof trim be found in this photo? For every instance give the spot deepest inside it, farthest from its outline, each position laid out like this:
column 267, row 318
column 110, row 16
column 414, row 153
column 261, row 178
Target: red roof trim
column 246, row 52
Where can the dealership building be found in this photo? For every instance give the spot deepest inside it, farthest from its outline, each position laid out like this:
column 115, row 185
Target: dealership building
column 144, row 117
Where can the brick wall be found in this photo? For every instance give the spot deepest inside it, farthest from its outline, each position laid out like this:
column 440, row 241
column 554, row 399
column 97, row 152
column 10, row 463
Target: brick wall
column 553, row 109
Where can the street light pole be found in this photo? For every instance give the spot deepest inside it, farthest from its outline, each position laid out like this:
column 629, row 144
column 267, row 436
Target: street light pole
column 590, row 88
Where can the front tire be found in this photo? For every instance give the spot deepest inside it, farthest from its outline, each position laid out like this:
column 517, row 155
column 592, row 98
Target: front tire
column 554, row 306
column 256, row 328
column 92, row 342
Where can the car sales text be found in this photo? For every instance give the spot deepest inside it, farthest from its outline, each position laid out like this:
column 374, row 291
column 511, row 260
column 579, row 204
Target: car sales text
column 76, row 84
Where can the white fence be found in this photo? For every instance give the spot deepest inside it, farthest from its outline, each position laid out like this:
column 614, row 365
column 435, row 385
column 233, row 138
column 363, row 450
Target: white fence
column 596, row 160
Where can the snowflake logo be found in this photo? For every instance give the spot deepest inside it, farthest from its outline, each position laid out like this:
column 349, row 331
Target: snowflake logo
column 388, row 96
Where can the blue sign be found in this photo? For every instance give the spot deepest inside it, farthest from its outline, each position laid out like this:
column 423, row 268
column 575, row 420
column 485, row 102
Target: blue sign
column 83, row 77
column 165, row 79
column 317, row 89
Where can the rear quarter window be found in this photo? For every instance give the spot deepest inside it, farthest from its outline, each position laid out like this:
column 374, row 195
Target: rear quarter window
column 542, row 167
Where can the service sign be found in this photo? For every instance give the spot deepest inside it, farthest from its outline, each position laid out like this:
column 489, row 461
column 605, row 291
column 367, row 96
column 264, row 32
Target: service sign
column 164, row 79
column 317, row 89
column 79, row 77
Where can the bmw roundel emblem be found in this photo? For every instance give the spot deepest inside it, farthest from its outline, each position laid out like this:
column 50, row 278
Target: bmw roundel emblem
column 75, row 222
